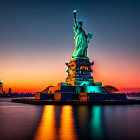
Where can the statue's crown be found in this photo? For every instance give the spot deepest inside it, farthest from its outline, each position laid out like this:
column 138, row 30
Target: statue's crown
column 80, row 23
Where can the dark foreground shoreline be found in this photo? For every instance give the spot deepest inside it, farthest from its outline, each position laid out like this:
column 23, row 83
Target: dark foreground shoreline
column 45, row 102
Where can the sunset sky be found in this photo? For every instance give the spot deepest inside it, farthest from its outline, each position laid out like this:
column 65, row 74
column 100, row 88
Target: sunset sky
column 36, row 39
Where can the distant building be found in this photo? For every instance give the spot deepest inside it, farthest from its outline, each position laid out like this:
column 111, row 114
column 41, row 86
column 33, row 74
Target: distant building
column 9, row 91
column 1, row 87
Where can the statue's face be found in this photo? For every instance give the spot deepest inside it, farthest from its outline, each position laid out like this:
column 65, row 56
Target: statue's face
column 80, row 24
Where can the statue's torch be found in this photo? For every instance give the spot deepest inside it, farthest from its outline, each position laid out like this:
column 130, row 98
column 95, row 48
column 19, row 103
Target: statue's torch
column 74, row 13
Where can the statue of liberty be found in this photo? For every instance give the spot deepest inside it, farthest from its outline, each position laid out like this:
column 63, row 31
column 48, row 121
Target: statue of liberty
column 81, row 39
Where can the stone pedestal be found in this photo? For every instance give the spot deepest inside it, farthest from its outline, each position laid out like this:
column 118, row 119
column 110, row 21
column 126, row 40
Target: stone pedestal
column 79, row 72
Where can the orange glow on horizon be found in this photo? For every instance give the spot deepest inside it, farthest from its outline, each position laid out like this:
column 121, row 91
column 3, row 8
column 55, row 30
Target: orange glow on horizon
column 34, row 71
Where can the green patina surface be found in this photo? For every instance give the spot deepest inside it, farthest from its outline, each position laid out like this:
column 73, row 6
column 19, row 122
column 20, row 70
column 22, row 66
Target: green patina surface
column 81, row 39
column 96, row 123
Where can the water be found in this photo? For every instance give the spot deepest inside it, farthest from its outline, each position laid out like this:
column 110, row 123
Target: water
column 49, row 122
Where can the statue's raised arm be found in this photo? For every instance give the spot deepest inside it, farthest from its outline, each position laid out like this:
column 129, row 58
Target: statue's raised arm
column 74, row 13
column 81, row 39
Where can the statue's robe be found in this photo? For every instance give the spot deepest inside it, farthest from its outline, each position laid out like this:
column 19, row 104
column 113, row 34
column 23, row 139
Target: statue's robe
column 81, row 42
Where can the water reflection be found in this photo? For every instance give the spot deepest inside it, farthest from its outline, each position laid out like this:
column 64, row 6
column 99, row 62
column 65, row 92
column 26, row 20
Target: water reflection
column 22, row 121
column 67, row 128
column 47, row 129
column 87, row 122
column 96, row 125
column 51, row 128
column 82, row 119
